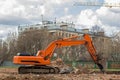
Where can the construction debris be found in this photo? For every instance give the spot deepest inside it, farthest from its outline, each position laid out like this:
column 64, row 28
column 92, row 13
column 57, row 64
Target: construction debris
column 64, row 68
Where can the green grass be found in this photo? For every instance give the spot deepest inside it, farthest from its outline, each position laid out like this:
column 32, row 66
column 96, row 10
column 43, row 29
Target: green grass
column 8, row 66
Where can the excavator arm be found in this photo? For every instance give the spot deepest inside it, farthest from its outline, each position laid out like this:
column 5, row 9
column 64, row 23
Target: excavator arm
column 70, row 42
column 92, row 51
column 43, row 57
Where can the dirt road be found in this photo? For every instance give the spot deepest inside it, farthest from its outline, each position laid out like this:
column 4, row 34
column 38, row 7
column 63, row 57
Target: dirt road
column 11, row 74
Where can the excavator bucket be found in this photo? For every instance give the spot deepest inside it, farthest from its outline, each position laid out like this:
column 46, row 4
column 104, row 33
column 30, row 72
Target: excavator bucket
column 100, row 67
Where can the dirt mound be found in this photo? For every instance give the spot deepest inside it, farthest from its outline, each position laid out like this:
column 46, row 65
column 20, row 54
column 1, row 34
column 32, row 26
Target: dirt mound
column 69, row 68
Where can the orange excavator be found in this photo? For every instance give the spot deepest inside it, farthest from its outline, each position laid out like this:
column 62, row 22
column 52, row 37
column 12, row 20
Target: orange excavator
column 39, row 63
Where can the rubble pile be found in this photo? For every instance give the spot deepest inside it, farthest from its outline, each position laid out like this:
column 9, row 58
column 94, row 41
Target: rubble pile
column 64, row 68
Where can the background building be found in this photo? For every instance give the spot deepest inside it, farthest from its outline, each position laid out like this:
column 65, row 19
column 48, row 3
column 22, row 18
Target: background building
column 62, row 29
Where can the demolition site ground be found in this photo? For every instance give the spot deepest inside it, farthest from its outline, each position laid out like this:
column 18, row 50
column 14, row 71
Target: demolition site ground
column 12, row 74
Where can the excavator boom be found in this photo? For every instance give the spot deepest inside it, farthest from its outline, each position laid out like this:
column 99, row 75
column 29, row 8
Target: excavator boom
column 43, row 57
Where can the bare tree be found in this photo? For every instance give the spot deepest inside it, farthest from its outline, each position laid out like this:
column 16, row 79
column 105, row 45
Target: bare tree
column 115, row 54
column 3, row 53
column 8, row 47
column 33, row 40
column 96, row 29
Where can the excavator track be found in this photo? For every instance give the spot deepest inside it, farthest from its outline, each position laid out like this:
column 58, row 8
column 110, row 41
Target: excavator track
column 38, row 70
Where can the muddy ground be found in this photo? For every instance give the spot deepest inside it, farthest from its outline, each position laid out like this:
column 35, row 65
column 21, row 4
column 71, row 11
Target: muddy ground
column 11, row 74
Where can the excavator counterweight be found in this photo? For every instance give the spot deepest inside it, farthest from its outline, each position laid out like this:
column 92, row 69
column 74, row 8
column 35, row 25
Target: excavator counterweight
column 39, row 62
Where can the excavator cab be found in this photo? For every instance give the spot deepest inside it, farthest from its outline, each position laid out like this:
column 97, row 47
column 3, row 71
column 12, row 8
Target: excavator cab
column 23, row 54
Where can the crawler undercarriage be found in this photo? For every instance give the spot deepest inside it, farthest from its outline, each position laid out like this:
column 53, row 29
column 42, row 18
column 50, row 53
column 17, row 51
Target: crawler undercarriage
column 38, row 70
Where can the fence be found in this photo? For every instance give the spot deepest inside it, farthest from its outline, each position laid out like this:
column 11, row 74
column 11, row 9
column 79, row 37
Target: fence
column 108, row 65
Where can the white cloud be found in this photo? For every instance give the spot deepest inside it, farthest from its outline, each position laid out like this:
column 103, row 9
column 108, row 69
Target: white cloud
column 112, row 1
column 107, row 18
column 88, row 18
column 66, row 10
column 28, row 11
column 12, row 10
column 67, row 18
column 6, row 7
column 100, row 16
column 16, row 12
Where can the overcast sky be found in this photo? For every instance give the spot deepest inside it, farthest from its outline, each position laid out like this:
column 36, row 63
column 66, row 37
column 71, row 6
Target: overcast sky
column 21, row 12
